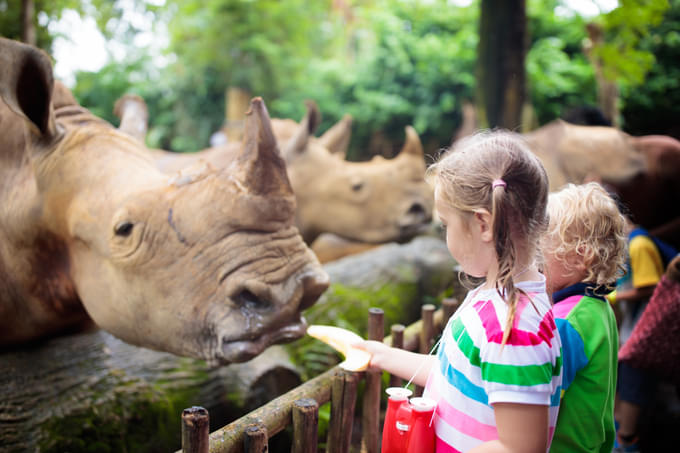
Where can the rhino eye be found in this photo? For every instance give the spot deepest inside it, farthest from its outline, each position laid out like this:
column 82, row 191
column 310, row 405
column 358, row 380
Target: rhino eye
column 123, row 228
column 357, row 186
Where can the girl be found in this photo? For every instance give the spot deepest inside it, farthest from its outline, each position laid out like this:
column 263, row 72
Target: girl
column 498, row 366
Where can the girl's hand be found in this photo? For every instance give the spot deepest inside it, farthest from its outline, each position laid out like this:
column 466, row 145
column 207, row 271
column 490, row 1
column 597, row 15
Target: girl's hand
column 405, row 364
column 378, row 350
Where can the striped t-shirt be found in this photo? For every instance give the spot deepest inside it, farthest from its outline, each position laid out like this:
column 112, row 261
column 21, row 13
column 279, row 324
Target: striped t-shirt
column 474, row 372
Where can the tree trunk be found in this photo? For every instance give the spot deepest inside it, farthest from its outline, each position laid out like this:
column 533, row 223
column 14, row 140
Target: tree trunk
column 607, row 90
column 27, row 26
column 500, row 63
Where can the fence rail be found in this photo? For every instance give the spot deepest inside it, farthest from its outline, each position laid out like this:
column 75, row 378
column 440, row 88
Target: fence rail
column 300, row 407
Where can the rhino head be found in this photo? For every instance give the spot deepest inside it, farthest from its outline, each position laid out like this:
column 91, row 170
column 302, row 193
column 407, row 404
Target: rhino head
column 377, row 201
column 202, row 263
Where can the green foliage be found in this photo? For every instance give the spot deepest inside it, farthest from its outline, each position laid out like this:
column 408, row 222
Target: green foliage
column 623, row 60
column 654, row 106
column 389, row 63
column 558, row 73
column 558, row 81
column 412, row 64
column 257, row 46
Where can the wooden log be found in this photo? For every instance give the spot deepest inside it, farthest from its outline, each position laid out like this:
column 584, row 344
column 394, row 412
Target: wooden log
column 397, row 332
column 195, row 430
column 370, row 420
column 343, row 400
column 305, row 425
column 71, row 392
column 255, row 439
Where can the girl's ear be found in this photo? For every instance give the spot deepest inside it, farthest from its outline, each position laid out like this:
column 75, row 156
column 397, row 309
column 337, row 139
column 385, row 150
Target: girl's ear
column 482, row 221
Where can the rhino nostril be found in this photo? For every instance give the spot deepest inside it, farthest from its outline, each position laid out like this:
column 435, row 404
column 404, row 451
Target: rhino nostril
column 313, row 287
column 249, row 300
column 416, row 209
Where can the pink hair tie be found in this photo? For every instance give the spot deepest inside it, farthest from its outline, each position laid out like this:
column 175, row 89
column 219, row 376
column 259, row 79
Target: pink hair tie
column 497, row 182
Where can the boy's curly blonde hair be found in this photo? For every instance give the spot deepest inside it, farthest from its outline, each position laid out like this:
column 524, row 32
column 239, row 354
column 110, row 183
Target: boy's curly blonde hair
column 585, row 219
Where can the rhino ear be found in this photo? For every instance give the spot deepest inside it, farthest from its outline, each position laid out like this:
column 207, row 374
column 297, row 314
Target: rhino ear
column 336, row 139
column 133, row 114
column 265, row 169
column 298, row 142
column 26, row 84
column 412, row 145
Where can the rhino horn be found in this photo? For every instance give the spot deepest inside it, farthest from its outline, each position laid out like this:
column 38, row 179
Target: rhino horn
column 133, row 114
column 412, row 145
column 298, row 142
column 336, row 139
column 26, row 84
column 265, row 169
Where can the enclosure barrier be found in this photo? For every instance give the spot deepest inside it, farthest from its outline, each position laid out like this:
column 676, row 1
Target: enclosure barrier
column 300, row 406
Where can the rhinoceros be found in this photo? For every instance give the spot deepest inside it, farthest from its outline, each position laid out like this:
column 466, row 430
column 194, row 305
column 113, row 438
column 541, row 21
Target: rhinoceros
column 202, row 263
column 652, row 196
column 575, row 153
column 378, row 201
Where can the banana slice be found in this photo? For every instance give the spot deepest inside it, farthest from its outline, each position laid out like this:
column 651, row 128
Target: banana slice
column 341, row 340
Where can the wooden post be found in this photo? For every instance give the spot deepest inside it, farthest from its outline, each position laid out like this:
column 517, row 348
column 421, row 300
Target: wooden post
column 305, row 425
column 449, row 307
column 426, row 335
column 255, row 439
column 370, row 419
column 195, row 430
column 237, row 100
column 397, row 332
column 343, row 400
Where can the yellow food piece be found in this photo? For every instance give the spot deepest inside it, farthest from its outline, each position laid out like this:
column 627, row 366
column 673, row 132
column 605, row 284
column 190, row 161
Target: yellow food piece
column 341, row 340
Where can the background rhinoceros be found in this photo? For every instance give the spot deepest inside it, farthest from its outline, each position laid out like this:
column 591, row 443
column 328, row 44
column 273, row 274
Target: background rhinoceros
column 205, row 263
column 378, row 201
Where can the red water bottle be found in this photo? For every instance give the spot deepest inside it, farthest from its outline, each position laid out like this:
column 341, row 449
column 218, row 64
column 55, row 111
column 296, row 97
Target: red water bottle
column 421, row 438
column 394, row 440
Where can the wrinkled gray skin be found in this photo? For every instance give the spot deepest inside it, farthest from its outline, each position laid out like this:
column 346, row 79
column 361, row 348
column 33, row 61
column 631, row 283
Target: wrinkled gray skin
column 205, row 263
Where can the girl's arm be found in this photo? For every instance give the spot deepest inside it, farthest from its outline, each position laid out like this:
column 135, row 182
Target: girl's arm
column 399, row 362
column 521, row 428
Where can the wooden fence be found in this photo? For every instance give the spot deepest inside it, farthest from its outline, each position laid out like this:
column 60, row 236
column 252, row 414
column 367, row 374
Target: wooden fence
column 300, row 406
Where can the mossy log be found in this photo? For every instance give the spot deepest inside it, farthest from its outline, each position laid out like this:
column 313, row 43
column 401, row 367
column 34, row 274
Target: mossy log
column 92, row 392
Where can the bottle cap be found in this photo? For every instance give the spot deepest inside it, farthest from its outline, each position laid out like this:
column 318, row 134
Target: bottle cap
column 422, row 404
column 398, row 393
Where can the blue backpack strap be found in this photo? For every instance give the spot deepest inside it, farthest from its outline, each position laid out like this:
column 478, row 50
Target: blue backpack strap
column 666, row 250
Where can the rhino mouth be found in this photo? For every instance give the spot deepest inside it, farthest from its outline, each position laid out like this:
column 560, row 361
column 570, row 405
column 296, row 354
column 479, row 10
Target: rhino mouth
column 243, row 350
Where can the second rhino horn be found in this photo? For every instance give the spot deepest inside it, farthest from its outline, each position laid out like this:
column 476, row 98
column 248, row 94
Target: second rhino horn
column 298, row 142
column 265, row 169
column 412, row 145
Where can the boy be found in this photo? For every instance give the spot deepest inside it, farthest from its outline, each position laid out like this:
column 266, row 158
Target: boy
column 584, row 251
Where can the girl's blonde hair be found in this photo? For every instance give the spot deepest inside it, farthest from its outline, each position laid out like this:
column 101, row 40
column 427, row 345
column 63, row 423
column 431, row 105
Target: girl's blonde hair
column 496, row 171
column 586, row 220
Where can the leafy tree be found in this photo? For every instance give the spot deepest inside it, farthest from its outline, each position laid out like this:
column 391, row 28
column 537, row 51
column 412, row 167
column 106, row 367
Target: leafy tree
column 653, row 107
column 412, row 63
column 48, row 11
column 560, row 77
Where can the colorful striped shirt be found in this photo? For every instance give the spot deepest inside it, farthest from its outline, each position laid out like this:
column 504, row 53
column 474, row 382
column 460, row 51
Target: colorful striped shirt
column 474, row 371
column 590, row 341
